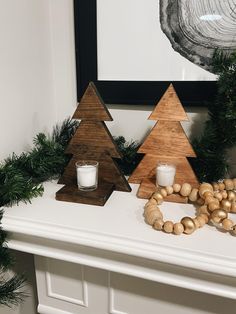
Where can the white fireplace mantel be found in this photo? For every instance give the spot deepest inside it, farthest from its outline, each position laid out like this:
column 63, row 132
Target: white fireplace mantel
column 116, row 239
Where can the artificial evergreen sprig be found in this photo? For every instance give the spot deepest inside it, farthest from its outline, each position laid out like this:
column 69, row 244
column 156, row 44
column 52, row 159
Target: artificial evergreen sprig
column 220, row 130
column 10, row 285
column 130, row 158
column 21, row 176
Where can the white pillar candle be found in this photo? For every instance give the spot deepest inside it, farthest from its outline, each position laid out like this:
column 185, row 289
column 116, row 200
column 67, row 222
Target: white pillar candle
column 165, row 174
column 87, row 175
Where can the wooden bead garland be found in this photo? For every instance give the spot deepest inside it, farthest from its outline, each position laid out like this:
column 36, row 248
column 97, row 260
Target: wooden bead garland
column 216, row 200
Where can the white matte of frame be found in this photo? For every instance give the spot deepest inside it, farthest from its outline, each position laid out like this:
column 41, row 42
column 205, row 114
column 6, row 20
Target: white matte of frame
column 132, row 46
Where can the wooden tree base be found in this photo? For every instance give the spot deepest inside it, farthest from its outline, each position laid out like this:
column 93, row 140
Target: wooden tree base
column 147, row 168
column 148, row 186
column 70, row 193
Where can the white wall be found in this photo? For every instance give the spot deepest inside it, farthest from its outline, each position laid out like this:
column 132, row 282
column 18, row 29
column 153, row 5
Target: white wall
column 37, row 84
column 37, row 76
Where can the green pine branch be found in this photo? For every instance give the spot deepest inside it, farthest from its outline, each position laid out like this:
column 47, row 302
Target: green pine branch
column 219, row 133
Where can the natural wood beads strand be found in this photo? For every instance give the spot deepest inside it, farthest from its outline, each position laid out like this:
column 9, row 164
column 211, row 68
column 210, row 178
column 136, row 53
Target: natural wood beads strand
column 220, row 203
column 187, row 225
column 216, row 200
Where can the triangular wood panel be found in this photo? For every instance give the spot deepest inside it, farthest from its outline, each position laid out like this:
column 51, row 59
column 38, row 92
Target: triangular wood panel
column 148, row 186
column 93, row 136
column 167, row 138
column 147, row 169
column 108, row 171
column 91, row 106
column 169, row 107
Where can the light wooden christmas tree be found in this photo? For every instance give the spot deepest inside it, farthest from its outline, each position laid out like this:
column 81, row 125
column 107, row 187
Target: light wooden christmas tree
column 166, row 143
column 92, row 141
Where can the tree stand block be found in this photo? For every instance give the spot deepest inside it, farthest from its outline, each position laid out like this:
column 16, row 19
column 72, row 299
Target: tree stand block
column 71, row 193
column 148, row 186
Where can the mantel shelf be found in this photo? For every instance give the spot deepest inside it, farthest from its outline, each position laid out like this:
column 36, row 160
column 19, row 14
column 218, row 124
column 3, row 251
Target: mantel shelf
column 115, row 237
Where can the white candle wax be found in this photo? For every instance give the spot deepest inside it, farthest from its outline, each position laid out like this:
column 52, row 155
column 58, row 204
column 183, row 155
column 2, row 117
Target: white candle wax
column 87, row 175
column 165, row 174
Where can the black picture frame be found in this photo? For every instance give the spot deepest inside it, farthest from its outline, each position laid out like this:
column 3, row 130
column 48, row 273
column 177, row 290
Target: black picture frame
column 191, row 93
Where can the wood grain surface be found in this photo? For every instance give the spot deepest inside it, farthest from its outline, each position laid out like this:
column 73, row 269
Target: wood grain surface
column 167, row 138
column 148, row 186
column 93, row 136
column 169, row 107
column 70, row 193
column 92, row 141
column 91, row 106
column 108, row 171
column 147, row 169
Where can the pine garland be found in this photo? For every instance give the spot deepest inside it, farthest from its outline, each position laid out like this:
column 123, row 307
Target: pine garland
column 219, row 134
column 9, row 285
column 21, row 176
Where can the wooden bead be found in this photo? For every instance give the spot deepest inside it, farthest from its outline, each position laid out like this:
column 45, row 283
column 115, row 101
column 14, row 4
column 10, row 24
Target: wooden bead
column 215, row 186
column 224, row 194
column 234, row 181
column 213, row 205
column 205, row 187
column 208, row 194
column 231, row 196
column 151, row 202
column 150, row 208
column 233, row 207
column 193, row 196
column 200, row 201
column 185, row 189
column 178, row 228
column 226, row 205
column 169, row 190
column 205, row 217
column 203, row 209
column 163, row 192
column 188, row 224
column 168, row 226
column 218, row 196
column 176, row 187
column 229, row 184
column 227, row 224
column 201, row 221
column 234, row 230
column 209, row 199
column 158, row 197
column 196, row 222
column 221, row 186
column 158, row 224
column 218, row 215
column 152, row 216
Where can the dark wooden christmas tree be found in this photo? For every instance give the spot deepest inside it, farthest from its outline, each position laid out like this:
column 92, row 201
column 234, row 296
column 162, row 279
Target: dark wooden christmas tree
column 166, row 143
column 92, row 141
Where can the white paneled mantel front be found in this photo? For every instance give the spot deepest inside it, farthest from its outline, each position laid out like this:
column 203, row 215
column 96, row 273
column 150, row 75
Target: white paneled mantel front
column 116, row 240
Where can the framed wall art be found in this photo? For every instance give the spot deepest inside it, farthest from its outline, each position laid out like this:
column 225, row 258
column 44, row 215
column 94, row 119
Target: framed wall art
column 133, row 49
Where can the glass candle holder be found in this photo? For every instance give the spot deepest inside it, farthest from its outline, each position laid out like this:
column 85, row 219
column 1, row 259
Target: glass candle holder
column 87, row 175
column 165, row 174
